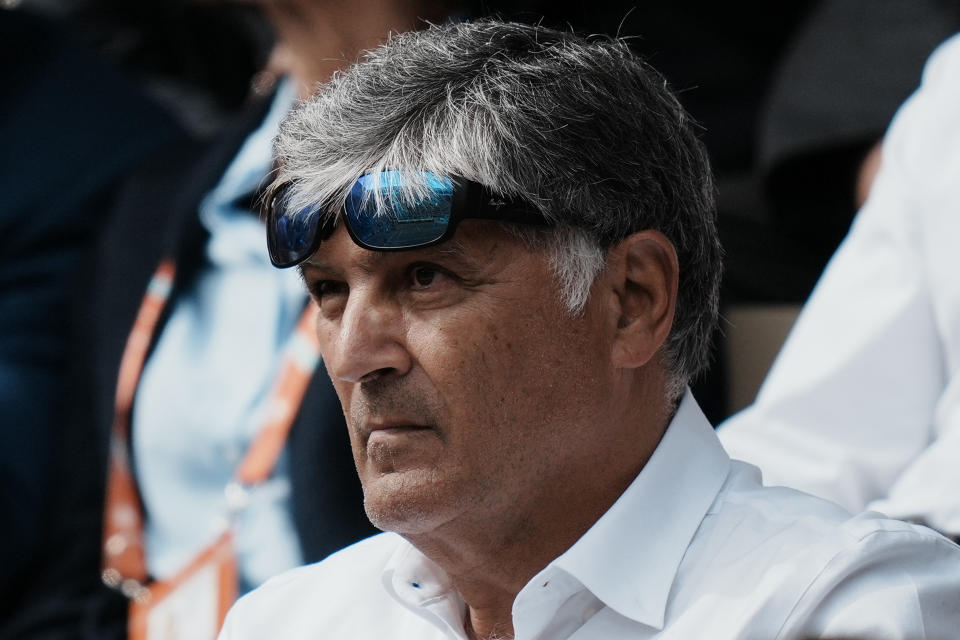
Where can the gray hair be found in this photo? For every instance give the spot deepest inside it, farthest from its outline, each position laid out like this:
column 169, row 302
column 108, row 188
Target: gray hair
column 583, row 129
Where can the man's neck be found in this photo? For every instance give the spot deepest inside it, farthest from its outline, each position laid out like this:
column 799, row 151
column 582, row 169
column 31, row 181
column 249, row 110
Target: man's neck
column 494, row 634
column 487, row 576
column 490, row 565
column 490, row 560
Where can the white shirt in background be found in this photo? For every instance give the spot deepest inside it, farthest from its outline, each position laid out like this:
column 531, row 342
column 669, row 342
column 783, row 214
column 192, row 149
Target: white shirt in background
column 862, row 405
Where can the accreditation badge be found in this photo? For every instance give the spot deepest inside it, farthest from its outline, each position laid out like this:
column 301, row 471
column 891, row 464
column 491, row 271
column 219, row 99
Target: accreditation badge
column 193, row 604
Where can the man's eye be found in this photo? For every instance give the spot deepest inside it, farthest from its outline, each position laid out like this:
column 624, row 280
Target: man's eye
column 424, row 275
column 327, row 288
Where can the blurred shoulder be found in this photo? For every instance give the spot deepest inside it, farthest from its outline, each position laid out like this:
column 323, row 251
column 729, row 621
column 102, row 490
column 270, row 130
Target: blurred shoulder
column 943, row 62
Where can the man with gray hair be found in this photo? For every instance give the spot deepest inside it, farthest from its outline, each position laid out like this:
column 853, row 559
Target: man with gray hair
column 509, row 234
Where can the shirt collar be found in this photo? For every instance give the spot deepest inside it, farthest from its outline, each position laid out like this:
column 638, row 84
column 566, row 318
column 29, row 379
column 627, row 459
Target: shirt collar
column 419, row 584
column 412, row 577
column 630, row 557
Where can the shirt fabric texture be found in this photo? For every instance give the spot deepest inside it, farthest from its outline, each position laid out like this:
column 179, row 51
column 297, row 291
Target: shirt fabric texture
column 201, row 399
column 862, row 405
column 694, row 545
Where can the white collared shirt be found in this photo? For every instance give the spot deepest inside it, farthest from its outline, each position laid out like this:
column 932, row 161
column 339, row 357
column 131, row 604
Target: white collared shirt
column 694, row 548
column 862, row 405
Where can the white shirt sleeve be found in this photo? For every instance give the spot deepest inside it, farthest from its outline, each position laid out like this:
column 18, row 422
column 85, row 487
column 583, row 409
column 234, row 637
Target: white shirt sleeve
column 852, row 400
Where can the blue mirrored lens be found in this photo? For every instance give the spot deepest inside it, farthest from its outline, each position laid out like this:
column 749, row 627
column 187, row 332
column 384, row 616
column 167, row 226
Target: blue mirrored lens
column 293, row 236
column 398, row 222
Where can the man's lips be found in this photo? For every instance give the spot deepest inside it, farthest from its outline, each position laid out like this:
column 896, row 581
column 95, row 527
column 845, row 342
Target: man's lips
column 386, row 430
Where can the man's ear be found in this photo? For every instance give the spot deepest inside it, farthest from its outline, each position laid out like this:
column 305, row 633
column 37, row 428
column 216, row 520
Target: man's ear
column 645, row 273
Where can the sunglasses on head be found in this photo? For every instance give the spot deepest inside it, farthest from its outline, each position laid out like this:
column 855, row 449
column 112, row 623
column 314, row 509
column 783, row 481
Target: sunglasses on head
column 380, row 216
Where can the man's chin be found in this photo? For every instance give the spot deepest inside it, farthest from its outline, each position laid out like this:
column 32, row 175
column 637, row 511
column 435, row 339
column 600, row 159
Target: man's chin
column 406, row 503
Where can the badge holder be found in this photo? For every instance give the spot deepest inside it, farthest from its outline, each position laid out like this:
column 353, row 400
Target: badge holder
column 194, row 603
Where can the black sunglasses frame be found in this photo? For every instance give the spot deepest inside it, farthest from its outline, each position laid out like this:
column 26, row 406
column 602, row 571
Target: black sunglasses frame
column 470, row 200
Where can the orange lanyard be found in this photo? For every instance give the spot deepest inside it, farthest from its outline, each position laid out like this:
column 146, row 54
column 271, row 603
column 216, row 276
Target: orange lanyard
column 124, row 562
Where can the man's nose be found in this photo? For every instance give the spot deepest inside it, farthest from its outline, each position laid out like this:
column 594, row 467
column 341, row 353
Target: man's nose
column 369, row 341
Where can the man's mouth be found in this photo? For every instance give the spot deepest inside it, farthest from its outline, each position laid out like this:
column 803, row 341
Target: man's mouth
column 389, row 431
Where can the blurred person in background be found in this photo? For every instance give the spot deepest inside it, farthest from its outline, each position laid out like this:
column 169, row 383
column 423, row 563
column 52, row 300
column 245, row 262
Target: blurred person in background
column 225, row 362
column 862, row 405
